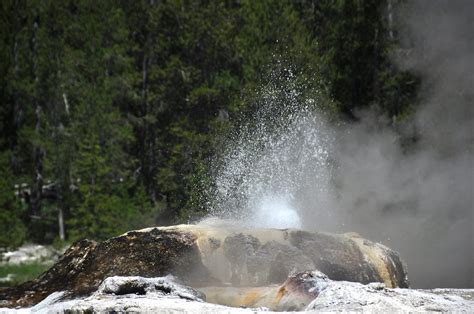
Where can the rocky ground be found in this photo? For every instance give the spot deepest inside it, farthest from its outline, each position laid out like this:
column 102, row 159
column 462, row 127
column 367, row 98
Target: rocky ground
column 223, row 268
column 165, row 295
column 29, row 253
column 203, row 256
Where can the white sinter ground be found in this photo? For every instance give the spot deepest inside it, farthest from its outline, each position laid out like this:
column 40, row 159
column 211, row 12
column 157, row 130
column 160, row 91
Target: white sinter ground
column 163, row 295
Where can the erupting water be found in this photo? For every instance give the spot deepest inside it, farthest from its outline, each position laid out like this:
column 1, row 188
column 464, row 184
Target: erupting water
column 275, row 212
column 271, row 161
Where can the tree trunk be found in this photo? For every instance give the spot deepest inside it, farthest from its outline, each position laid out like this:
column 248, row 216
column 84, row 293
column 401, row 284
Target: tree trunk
column 390, row 19
column 62, row 234
column 148, row 157
column 36, row 189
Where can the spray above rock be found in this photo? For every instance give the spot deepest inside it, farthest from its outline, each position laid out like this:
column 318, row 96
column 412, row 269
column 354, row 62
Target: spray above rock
column 287, row 167
column 271, row 155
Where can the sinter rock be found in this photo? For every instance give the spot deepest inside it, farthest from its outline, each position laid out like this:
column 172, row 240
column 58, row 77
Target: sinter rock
column 342, row 296
column 306, row 291
column 204, row 255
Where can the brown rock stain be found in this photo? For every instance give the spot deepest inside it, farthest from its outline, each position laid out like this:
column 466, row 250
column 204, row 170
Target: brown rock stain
column 251, row 298
column 280, row 294
column 375, row 256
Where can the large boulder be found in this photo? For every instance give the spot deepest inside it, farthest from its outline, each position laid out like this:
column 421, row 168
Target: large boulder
column 212, row 255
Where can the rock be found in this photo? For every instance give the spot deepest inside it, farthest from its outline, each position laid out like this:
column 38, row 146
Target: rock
column 203, row 255
column 254, row 257
column 128, row 304
column 132, row 294
column 315, row 292
column 164, row 286
column 294, row 294
column 86, row 264
column 342, row 296
column 7, row 279
column 306, row 291
column 284, row 260
column 299, row 290
column 349, row 257
column 239, row 249
column 30, row 253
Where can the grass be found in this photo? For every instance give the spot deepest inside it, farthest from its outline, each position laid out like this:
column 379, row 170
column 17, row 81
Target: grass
column 21, row 272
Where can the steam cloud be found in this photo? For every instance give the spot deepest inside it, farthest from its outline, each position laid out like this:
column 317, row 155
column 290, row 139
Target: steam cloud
column 419, row 202
column 357, row 177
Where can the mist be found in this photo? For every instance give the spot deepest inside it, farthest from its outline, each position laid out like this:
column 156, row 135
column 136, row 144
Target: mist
column 416, row 199
column 290, row 167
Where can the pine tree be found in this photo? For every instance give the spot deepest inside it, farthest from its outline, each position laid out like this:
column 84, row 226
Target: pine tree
column 98, row 71
column 12, row 211
column 355, row 46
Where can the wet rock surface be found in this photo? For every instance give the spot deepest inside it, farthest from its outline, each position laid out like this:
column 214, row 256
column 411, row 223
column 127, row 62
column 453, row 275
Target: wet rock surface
column 203, row 256
column 344, row 260
column 294, row 294
column 256, row 257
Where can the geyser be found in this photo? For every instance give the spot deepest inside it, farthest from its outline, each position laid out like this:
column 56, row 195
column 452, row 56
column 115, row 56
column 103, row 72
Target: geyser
column 225, row 261
column 262, row 172
column 286, row 166
column 275, row 212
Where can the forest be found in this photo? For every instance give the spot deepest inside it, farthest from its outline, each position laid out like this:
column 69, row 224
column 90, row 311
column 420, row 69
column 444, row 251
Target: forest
column 111, row 110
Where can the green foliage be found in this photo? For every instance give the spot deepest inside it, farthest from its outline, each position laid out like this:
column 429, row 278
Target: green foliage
column 13, row 230
column 355, row 49
column 22, row 272
column 110, row 110
column 101, row 215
